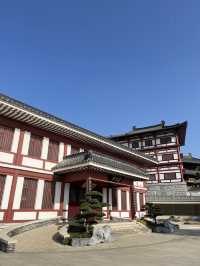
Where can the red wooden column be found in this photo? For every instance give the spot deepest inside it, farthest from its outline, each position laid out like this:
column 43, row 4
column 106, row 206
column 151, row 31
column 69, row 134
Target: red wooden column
column 132, row 203
column 60, row 212
column 8, row 213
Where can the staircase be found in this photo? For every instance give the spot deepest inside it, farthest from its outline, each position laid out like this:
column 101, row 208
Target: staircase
column 132, row 226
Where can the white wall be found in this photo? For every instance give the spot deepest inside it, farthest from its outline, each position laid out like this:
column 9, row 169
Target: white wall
column 26, row 141
column 45, row 146
column 6, row 193
column 18, row 193
column 66, row 199
column 15, row 141
column 39, row 194
column 57, row 196
column 119, row 199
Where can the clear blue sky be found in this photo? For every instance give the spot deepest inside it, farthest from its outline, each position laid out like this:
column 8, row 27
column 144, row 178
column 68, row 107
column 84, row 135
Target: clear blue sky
column 105, row 65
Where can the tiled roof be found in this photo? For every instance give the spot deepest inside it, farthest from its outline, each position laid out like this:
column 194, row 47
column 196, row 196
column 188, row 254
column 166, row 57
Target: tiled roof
column 180, row 127
column 15, row 109
column 76, row 160
column 191, row 159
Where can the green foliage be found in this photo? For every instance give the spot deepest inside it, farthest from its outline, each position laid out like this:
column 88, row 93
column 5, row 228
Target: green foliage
column 153, row 211
column 90, row 213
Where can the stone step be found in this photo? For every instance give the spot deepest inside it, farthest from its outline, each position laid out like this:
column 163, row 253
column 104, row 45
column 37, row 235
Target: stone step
column 131, row 226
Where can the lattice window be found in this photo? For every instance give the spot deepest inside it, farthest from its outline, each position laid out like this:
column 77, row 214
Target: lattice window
column 53, row 151
column 167, row 156
column 35, row 146
column 2, row 185
column 148, row 142
column 165, row 140
column 6, row 137
column 152, row 177
column 48, row 195
column 114, row 197
column 135, row 144
column 168, row 176
column 123, row 198
column 141, row 196
column 28, row 193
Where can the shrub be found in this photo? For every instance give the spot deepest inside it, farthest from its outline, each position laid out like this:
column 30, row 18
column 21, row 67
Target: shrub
column 90, row 213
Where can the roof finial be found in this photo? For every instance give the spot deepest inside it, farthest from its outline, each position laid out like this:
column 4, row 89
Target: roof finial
column 163, row 123
column 134, row 127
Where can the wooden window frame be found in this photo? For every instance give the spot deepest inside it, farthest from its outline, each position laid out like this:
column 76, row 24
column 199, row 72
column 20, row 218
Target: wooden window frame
column 114, row 198
column 170, row 176
column 6, row 138
column 166, row 157
column 28, row 194
column 152, row 179
column 135, row 142
column 168, row 138
column 35, row 146
column 141, row 199
column 48, row 195
column 53, row 151
column 146, row 144
column 123, row 200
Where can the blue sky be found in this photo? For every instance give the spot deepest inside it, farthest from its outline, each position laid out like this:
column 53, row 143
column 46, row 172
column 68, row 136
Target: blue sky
column 105, row 65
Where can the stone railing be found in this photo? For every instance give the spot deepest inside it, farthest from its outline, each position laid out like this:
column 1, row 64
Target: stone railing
column 171, row 193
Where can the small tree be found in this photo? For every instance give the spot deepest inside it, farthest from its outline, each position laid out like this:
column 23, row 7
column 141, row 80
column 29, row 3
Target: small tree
column 153, row 211
column 90, row 213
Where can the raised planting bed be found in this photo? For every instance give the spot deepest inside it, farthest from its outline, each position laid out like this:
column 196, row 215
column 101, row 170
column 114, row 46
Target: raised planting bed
column 8, row 244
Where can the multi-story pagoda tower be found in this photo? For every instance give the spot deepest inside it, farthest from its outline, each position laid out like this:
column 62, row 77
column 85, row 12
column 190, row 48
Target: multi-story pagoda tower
column 166, row 186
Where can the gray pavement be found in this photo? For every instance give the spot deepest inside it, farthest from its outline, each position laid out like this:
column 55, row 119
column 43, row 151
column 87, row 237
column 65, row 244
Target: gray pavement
column 128, row 249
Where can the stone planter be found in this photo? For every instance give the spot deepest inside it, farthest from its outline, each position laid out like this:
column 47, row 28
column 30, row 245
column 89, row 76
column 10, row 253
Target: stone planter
column 101, row 234
column 80, row 242
column 166, row 227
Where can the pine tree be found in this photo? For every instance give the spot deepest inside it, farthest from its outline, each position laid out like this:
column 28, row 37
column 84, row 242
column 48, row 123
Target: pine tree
column 90, row 213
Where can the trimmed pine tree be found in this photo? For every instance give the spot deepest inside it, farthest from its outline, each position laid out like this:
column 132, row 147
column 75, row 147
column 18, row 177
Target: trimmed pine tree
column 91, row 212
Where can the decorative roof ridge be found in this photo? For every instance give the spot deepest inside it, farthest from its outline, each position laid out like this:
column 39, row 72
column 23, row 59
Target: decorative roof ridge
column 90, row 155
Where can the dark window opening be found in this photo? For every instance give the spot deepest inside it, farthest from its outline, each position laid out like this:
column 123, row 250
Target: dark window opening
column 141, row 201
column 135, row 144
column 152, row 177
column 168, row 176
column 123, row 198
column 114, row 197
column 167, row 156
column 148, row 142
column 76, row 194
column 165, row 140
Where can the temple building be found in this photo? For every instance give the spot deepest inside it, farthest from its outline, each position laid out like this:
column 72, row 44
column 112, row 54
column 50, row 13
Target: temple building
column 47, row 164
column 169, row 184
column 192, row 172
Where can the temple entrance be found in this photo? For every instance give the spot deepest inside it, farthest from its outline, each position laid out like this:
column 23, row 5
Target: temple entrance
column 76, row 194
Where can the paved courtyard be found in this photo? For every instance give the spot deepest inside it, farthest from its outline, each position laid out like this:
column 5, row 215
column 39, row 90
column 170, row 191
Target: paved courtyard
column 127, row 249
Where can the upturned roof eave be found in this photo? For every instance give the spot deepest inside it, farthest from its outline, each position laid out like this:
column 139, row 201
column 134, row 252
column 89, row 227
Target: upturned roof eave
column 17, row 110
